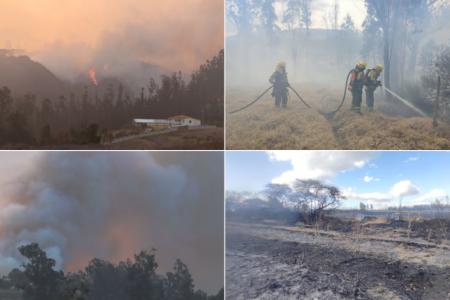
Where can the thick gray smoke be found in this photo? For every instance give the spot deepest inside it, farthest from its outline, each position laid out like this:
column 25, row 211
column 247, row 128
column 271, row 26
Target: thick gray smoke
column 78, row 206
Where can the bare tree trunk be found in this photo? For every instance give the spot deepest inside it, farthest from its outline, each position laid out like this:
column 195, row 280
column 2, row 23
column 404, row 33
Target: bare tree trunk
column 436, row 104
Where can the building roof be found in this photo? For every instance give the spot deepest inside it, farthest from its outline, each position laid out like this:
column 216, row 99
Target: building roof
column 150, row 121
column 180, row 117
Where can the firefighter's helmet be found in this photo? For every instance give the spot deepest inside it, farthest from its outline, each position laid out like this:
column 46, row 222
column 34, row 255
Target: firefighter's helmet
column 379, row 67
column 281, row 66
column 362, row 64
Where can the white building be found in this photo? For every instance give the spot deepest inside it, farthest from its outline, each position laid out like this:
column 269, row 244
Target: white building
column 151, row 122
column 183, row 120
column 175, row 121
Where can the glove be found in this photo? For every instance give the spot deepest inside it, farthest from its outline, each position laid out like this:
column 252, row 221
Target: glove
column 379, row 83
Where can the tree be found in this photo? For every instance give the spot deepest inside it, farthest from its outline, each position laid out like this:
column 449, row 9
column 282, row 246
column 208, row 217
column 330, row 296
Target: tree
column 101, row 280
column 142, row 280
column 296, row 18
column 78, row 119
column 38, row 280
column 312, row 197
column 268, row 17
column 5, row 100
column 240, row 13
column 381, row 19
column 46, row 135
column 396, row 25
column 18, row 131
column 277, row 194
column 348, row 24
column 179, row 283
column 107, row 282
column 76, row 286
column 362, row 206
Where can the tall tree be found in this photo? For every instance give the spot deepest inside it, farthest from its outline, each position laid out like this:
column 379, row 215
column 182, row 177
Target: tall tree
column 312, row 197
column 240, row 13
column 179, row 283
column 38, row 280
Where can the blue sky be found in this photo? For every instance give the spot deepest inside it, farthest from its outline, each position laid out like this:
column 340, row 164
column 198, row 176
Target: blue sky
column 378, row 178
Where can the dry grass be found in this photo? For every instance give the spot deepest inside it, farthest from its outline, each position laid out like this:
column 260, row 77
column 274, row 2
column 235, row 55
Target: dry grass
column 262, row 126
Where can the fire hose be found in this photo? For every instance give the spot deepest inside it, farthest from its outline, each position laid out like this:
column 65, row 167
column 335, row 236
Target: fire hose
column 265, row 92
column 330, row 115
column 251, row 103
column 299, row 97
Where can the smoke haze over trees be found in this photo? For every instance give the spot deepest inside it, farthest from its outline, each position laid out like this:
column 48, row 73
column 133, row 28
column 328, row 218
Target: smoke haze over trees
column 131, row 279
column 80, row 206
column 304, row 200
column 80, row 117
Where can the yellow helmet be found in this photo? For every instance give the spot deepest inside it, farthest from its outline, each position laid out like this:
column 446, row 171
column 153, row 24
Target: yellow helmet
column 362, row 64
column 379, row 67
column 281, row 65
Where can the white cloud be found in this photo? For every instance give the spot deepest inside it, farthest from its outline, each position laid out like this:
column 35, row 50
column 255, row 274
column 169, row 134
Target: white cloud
column 413, row 158
column 372, row 197
column 368, row 179
column 428, row 198
column 400, row 189
column 404, row 188
column 318, row 164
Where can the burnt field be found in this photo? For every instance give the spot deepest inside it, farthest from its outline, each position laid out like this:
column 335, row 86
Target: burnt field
column 369, row 259
column 391, row 126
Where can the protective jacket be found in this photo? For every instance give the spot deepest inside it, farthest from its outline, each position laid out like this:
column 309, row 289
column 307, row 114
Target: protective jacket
column 371, row 79
column 280, row 83
column 356, row 80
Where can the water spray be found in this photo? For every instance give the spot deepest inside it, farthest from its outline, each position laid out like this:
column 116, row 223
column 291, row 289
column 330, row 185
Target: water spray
column 406, row 102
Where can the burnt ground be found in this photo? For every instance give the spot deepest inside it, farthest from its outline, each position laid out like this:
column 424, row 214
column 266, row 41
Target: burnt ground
column 391, row 126
column 265, row 262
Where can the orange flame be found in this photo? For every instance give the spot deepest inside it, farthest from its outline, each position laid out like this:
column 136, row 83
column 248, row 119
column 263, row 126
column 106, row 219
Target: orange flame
column 93, row 76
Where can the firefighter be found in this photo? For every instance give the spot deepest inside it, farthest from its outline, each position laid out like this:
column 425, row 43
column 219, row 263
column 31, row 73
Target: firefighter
column 280, row 85
column 356, row 85
column 371, row 83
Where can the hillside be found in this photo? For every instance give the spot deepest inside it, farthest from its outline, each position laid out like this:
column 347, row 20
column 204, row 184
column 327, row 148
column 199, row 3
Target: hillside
column 22, row 75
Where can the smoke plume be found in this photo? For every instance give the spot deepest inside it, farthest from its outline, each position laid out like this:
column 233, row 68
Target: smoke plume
column 116, row 37
column 78, row 206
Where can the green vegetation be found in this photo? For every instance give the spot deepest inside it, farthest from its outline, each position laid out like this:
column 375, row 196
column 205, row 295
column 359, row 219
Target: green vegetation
column 135, row 279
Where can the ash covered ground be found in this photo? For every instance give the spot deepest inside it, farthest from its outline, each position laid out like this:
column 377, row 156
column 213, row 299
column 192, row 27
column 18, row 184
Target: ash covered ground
column 378, row 261
column 391, row 126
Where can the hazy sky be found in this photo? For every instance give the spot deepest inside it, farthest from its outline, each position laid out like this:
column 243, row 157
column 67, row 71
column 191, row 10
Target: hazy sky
column 378, row 178
column 78, row 206
column 322, row 9
column 171, row 33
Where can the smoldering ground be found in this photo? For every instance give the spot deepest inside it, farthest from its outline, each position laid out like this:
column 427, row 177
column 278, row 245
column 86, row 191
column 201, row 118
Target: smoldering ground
column 78, row 206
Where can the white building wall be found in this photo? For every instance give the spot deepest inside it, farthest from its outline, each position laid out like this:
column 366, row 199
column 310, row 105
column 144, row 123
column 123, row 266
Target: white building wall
column 191, row 122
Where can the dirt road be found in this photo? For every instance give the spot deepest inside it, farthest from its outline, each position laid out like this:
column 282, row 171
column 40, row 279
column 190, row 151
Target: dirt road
column 262, row 126
column 272, row 262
